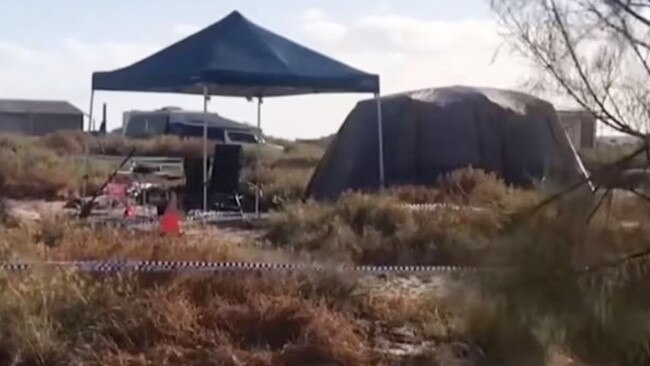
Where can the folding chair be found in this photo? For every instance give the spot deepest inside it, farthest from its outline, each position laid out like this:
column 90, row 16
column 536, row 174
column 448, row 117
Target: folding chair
column 193, row 195
column 223, row 188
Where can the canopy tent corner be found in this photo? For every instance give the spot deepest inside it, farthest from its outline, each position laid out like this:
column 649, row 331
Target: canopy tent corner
column 237, row 58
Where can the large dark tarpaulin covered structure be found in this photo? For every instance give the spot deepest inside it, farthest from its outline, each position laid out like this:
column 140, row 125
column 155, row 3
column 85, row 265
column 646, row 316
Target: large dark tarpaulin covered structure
column 235, row 57
column 435, row 131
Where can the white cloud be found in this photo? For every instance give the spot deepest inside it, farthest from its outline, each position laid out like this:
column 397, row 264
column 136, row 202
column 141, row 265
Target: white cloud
column 312, row 14
column 63, row 70
column 184, row 30
column 384, row 7
column 16, row 51
column 63, row 67
column 408, row 53
column 317, row 26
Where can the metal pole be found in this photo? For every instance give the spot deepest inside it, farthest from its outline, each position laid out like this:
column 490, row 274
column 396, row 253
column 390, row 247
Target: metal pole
column 257, row 159
column 84, row 186
column 205, row 148
column 380, row 139
column 104, row 118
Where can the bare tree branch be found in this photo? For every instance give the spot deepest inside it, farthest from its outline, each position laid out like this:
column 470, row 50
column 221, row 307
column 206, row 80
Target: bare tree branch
column 591, row 51
column 549, row 66
column 600, row 177
column 578, row 66
column 629, row 9
column 600, row 202
column 606, row 19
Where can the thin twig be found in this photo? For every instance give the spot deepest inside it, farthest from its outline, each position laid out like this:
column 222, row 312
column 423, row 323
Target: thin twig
column 593, row 212
column 577, row 64
column 508, row 17
column 628, row 9
column 583, row 181
column 640, row 195
column 615, row 262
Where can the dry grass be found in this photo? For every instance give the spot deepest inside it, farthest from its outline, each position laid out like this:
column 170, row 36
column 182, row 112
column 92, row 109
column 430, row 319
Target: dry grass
column 60, row 239
column 28, row 169
column 283, row 176
column 65, row 318
column 4, row 212
column 280, row 185
column 73, row 143
column 469, row 186
column 50, row 166
column 61, row 318
column 323, row 142
column 540, row 304
column 536, row 308
column 519, row 317
column 374, row 229
column 55, row 167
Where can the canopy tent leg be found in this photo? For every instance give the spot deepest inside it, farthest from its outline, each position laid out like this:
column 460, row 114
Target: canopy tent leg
column 84, row 186
column 206, row 97
column 380, row 139
column 257, row 160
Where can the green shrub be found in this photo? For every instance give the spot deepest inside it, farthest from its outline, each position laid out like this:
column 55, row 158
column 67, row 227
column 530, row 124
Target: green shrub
column 369, row 229
column 52, row 166
column 28, row 169
column 282, row 175
column 542, row 300
column 468, row 186
column 377, row 229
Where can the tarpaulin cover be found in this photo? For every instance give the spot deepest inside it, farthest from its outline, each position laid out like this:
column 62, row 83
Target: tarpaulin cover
column 434, row 131
column 235, row 57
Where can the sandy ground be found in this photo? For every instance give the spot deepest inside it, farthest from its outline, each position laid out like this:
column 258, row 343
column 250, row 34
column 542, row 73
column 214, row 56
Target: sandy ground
column 34, row 209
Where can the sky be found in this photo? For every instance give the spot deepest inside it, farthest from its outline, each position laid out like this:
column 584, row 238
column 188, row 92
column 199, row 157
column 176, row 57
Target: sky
column 49, row 49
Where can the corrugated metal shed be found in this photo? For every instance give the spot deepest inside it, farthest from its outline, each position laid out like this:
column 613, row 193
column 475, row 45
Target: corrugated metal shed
column 23, row 106
column 38, row 117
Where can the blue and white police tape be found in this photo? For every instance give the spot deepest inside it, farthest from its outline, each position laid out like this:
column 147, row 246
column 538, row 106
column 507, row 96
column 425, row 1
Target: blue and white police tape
column 439, row 207
column 109, row 266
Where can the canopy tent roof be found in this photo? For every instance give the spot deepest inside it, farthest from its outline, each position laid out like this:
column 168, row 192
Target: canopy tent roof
column 235, row 57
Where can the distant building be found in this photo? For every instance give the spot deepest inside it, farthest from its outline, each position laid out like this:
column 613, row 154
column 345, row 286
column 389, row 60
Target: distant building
column 618, row 140
column 39, row 117
column 580, row 125
column 179, row 122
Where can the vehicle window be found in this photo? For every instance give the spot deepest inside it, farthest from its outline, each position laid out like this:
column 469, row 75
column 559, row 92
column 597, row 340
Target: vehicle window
column 145, row 125
column 242, row 137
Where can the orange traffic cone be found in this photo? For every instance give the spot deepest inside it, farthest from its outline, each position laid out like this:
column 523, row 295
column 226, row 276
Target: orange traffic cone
column 170, row 222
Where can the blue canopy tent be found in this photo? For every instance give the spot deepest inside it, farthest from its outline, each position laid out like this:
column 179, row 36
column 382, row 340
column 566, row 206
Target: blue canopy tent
column 235, row 57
